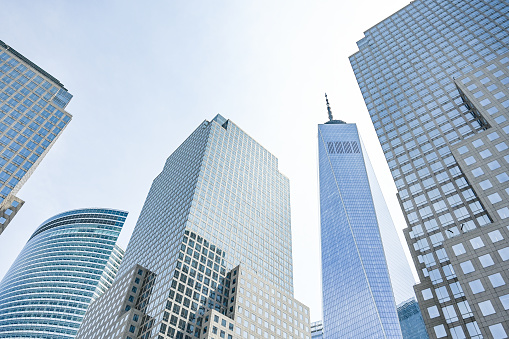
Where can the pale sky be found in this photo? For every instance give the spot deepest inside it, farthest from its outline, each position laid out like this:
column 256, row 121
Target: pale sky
column 145, row 74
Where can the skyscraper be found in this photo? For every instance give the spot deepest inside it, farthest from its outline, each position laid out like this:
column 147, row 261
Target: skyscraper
column 317, row 330
column 434, row 78
column 358, row 299
column 70, row 260
column 410, row 320
column 211, row 253
column 32, row 116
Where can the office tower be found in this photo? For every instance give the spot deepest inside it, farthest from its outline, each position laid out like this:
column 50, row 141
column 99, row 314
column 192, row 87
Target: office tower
column 211, row 251
column 434, row 78
column 317, row 330
column 410, row 320
column 358, row 299
column 32, row 116
column 70, row 260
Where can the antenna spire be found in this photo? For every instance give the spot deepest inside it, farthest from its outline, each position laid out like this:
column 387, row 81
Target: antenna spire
column 328, row 107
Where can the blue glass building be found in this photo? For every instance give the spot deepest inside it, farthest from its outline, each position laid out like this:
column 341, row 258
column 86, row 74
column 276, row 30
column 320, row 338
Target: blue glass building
column 410, row 320
column 32, row 117
column 69, row 261
column 358, row 300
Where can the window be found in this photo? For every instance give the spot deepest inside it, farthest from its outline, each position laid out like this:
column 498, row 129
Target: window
column 427, row 294
column 486, row 260
column 458, row 249
column 450, row 314
column 494, row 198
column 504, row 253
column 476, row 242
column 440, row 331
column 470, row 160
column 505, row 301
column 496, row 280
column 493, row 165
column 495, row 236
column 476, row 286
column 497, row 331
column 486, row 184
column 433, row 312
column 486, row 308
column 467, row 267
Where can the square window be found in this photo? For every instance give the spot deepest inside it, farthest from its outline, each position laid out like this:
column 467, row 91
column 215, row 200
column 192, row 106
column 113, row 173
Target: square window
column 496, row 280
column 505, row 301
column 458, row 249
column 500, row 147
column 486, row 184
column 467, row 267
column 477, row 143
column 497, row 331
column 486, row 260
column 476, row 242
column 485, row 154
column 495, row 236
column 427, row 294
column 503, row 213
column 503, row 177
column 477, row 172
column 493, row 165
column 476, row 286
column 486, row 308
column 494, row 198
column 433, row 312
column 470, row 160
column 493, row 136
column 463, row 149
column 440, row 331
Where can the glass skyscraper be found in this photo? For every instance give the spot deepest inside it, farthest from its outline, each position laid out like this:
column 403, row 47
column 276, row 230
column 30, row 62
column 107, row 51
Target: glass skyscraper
column 435, row 78
column 211, row 254
column 358, row 298
column 410, row 320
column 70, row 260
column 32, row 116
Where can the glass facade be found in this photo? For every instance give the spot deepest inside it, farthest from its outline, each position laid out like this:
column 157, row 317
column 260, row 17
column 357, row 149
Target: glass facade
column 317, row 330
column 32, row 116
column 434, row 77
column 410, row 320
column 69, row 261
column 358, row 300
column 220, row 201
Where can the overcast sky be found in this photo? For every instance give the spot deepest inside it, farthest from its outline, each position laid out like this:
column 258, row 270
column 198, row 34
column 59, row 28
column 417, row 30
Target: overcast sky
column 145, row 74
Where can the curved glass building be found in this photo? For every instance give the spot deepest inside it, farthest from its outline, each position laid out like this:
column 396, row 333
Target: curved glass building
column 70, row 260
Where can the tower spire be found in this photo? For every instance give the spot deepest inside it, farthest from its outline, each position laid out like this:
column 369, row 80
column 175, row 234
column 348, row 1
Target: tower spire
column 328, row 107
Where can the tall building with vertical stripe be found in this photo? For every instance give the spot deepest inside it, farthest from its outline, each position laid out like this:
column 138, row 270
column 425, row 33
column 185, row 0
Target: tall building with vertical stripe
column 32, row 116
column 434, row 77
column 363, row 263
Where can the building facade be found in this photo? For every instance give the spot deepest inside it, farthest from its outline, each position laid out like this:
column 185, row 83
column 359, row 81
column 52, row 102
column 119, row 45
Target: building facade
column 213, row 240
column 410, row 320
column 317, row 330
column 434, row 77
column 358, row 297
column 70, row 260
column 32, row 116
